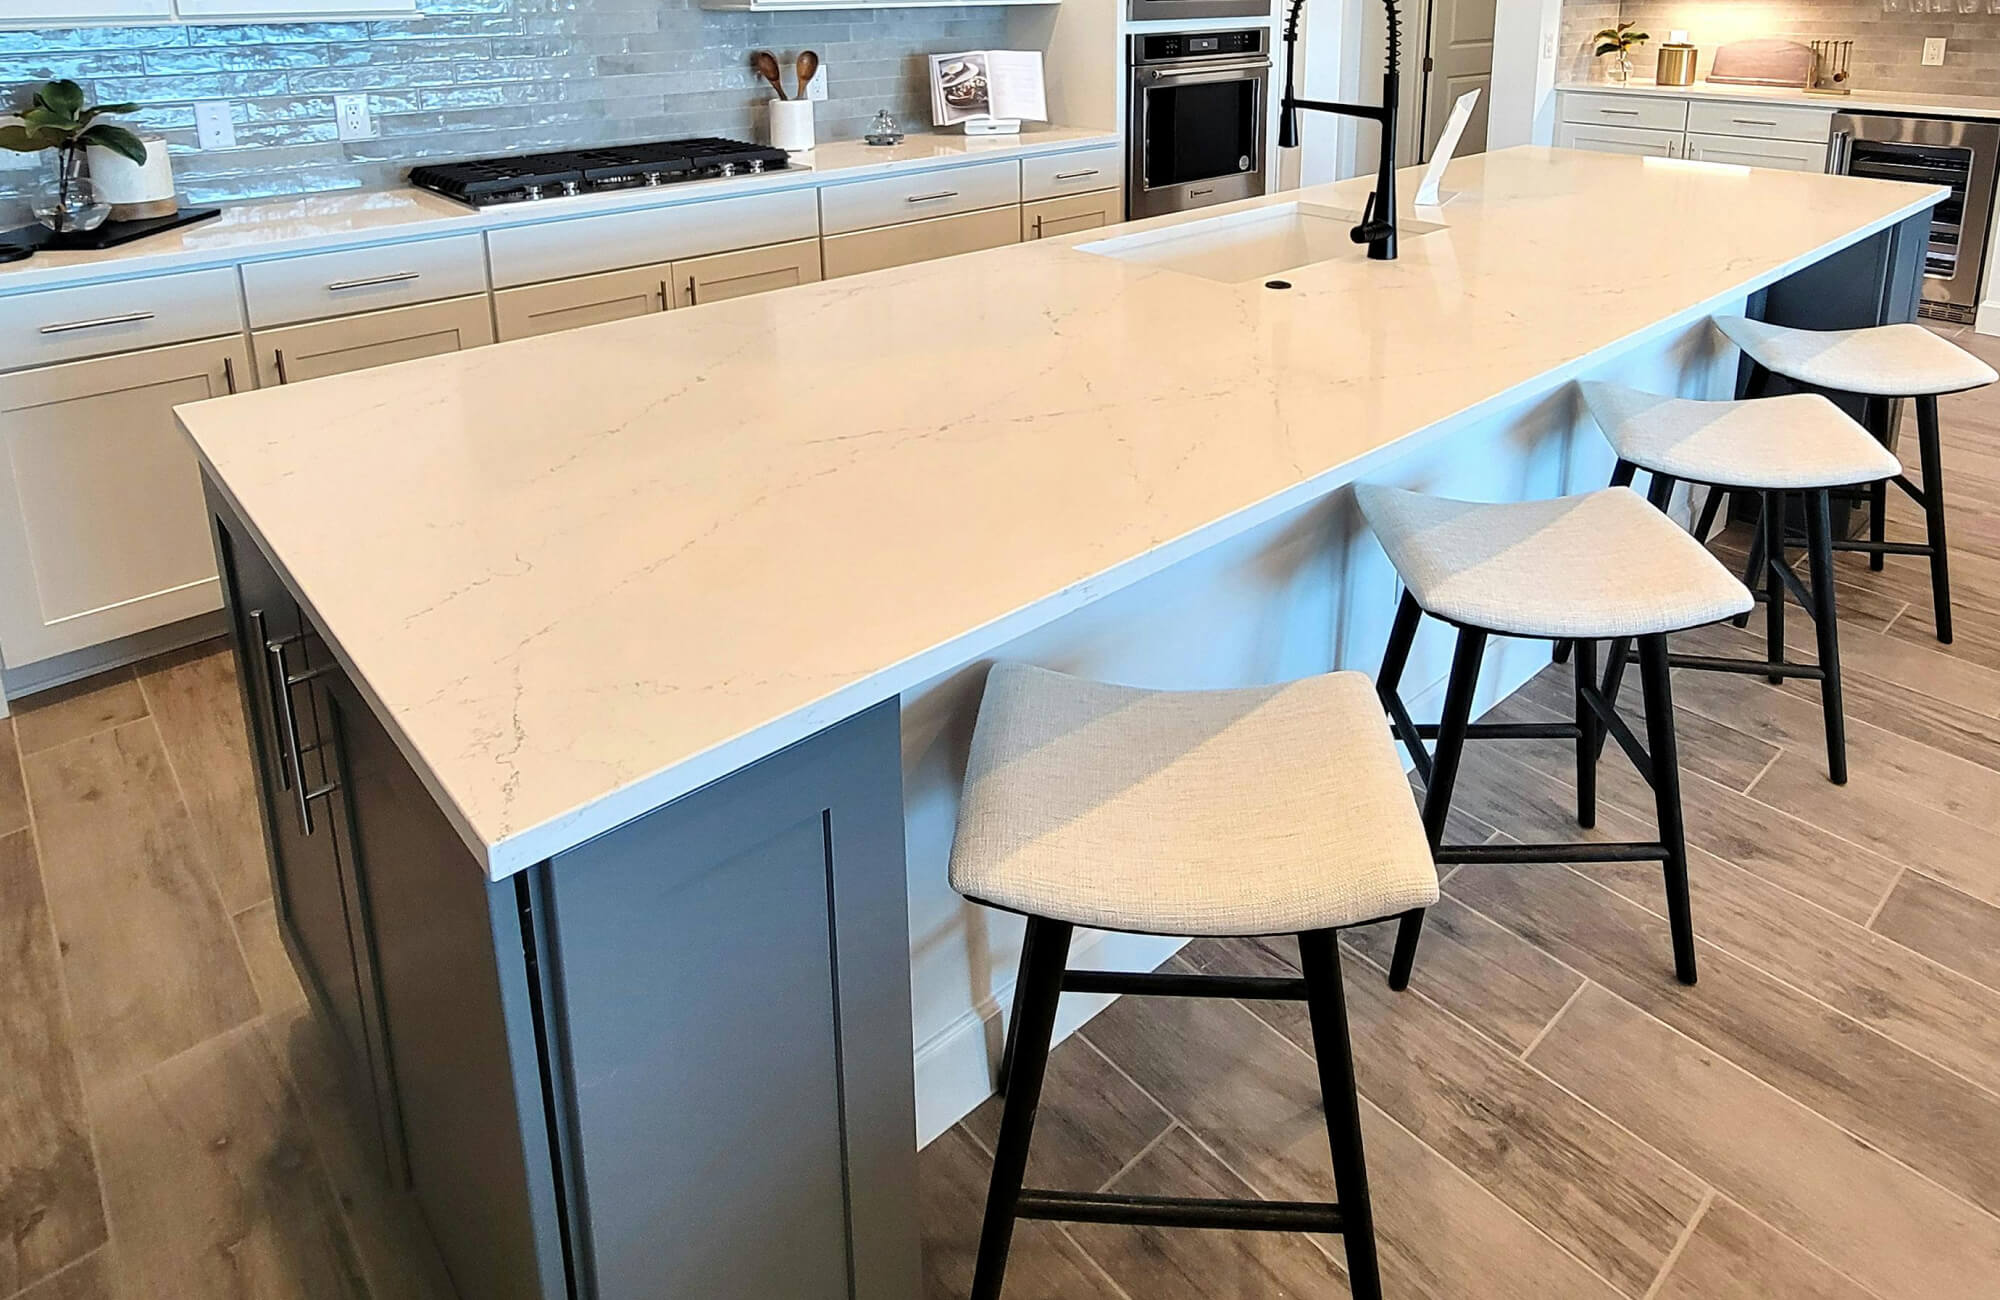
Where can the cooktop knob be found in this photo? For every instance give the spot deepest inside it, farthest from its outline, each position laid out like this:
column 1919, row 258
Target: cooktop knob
column 727, row 169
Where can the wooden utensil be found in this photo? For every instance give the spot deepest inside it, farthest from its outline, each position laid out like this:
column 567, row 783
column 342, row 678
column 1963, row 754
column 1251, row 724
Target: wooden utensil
column 766, row 65
column 808, row 65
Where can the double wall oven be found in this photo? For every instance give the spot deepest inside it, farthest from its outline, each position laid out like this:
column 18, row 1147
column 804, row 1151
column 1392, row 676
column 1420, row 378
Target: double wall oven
column 1195, row 126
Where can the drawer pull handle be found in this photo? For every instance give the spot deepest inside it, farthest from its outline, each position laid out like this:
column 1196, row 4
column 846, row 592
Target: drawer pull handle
column 1619, row 112
column 1751, row 121
column 926, row 198
column 400, row 277
column 1075, row 176
column 229, row 373
column 129, row 318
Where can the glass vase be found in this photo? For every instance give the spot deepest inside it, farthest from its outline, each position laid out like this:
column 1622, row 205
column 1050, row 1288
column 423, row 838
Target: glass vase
column 1621, row 68
column 64, row 199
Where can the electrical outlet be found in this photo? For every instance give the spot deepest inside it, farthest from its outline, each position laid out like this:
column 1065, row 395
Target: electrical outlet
column 1934, row 52
column 214, row 125
column 1548, row 45
column 352, row 117
column 816, row 88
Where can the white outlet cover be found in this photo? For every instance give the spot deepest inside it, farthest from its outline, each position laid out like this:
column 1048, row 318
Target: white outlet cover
column 352, row 118
column 816, row 88
column 214, row 125
column 1934, row 52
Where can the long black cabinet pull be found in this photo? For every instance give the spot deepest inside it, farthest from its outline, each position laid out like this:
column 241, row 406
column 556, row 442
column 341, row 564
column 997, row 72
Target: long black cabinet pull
column 286, row 680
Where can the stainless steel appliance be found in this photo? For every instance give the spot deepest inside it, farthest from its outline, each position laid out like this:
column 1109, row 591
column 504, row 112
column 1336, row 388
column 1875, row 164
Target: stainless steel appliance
column 1934, row 151
column 1196, row 122
column 527, row 177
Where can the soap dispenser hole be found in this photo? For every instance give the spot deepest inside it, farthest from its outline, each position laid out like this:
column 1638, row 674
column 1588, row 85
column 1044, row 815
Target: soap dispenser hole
column 1277, row 284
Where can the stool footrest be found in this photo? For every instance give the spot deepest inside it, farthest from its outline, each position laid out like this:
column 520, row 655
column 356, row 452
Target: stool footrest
column 1508, row 730
column 1883, row 548
column 1578, row 851
column 1179, row 1211
column 1748, row 667
column 1171, row 984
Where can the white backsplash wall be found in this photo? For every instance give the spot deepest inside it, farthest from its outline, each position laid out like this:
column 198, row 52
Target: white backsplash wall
column 1888, row 46
column 479, row 76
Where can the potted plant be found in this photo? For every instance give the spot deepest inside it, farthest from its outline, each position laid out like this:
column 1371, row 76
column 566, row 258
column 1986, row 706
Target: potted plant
column 59, row 122
column 1619, row 40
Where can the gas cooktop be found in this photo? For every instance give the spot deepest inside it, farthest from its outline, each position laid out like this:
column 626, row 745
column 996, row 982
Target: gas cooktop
column 521, row 178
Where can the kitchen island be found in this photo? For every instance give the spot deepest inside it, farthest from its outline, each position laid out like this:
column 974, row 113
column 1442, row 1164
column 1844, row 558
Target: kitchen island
column 610, row 689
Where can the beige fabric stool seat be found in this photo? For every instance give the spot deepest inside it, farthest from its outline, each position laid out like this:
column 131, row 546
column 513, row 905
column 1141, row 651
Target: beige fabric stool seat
column 1265, row 810
column 1904, row 360
column 1598, row 565
column 1800, row 440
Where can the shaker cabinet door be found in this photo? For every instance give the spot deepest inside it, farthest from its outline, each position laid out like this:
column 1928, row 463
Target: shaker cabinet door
column 921, row 241
column 102, row 531
column 293, row 353
column 1047, row 218
column 751, row 270
column 582, row 300
column 1647, row 142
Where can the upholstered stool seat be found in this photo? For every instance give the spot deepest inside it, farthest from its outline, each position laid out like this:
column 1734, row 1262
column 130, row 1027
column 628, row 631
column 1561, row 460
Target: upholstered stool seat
column 1598, row 565
column 1881, row 361
column 1800, row 440
column 1269, row 810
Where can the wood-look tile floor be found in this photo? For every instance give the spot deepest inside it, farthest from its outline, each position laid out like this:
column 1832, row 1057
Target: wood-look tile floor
column 1547, row 1113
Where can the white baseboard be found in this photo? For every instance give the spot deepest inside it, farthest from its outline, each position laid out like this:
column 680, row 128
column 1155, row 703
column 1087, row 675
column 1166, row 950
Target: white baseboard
column 1988, row 320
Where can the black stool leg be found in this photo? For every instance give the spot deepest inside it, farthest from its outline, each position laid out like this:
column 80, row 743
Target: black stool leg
column 1588, row 739
column 1927, row 446
column 1774, row 585
column 1616, row 658
column 1709, row 509
column 1875, row 414
column 1020, row 999
column 1319, row 959
column 1819, row 546
column 1043, row 959
column 1401, row 637
column 1666, row 765
column 1754, row 571
column 1444, row 775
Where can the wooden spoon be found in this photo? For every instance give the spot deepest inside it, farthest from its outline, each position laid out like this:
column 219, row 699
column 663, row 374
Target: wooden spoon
column 766, row 64
column 808, row 65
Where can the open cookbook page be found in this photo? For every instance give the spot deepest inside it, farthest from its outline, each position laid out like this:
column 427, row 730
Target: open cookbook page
column 988, row 84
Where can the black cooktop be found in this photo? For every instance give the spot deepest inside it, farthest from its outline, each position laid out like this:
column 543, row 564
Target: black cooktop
column 521, row 178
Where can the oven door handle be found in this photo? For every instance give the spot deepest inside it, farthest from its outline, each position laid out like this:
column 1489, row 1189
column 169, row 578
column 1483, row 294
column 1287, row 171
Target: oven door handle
column 1207, row 73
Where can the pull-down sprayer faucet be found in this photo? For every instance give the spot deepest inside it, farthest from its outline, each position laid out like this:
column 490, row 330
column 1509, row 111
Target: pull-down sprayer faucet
column 1378, row 220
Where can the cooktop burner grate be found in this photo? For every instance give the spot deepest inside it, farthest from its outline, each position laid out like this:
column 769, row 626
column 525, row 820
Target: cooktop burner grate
column 482, row 182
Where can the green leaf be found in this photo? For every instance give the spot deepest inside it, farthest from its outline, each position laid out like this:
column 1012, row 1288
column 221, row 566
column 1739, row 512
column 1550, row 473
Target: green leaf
column 1609, row 47
column 116, row 110
column 25, row 139
column 63, row 97
column 117, row 139
column 48, row 119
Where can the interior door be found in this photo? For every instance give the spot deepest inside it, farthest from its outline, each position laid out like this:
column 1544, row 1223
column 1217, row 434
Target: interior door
column 1460, row 59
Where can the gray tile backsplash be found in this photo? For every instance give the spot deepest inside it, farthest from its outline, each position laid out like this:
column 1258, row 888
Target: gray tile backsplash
column 479, row 76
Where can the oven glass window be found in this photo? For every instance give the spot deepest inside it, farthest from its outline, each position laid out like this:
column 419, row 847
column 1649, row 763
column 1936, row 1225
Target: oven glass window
column 1194, row 133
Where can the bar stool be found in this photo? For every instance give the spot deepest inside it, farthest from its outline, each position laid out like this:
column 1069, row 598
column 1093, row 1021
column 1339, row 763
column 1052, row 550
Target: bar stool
column 1604, row 565
column 1268, row 810
column 1771, row 446
column 1884, row 363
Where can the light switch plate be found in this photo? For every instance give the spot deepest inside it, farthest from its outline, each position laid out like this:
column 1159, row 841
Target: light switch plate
column 352, row 117
column 816, row 88
column 214, row 127
column 1934, row 52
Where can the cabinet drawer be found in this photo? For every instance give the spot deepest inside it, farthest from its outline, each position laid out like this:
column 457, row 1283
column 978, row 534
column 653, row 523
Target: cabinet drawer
column 376, row 338
column 1621, row 109
column 585, row 300
column 363, row 279
column 1787, row 155
column 1048, row 175
column 89, row 320
column 1073, row 212
column 1619, row 139
column 862, row 205
column 753, row 270
column 920, row 241
column 555, row 250
column 1764, row 121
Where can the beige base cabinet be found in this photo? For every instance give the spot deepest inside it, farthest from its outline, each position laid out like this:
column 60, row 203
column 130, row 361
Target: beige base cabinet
column 583, row 300
column 102, row 529
column 1645, row 141
column 920, row 241
column 1783, row 155
column 1047, row 218
column 330, row 347
column 751, row 270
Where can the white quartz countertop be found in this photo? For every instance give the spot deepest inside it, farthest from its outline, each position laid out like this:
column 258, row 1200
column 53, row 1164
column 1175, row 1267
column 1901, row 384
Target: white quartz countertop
column 1861, row 101
column 348, row 218
column 581, row 575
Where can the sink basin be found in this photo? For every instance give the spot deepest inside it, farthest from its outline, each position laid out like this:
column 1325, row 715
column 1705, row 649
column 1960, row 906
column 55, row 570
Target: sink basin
column 1251, row 245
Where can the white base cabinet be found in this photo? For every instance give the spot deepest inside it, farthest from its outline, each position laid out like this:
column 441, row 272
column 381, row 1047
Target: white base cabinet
column 1788, row 137
column 582, row 300
column 1047, row 218
column 293, row 353
column 103, row 533
column 1647, row 142
column 920, row 241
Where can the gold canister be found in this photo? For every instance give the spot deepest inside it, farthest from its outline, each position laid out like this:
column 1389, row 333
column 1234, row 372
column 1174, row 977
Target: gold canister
column 1677, row 60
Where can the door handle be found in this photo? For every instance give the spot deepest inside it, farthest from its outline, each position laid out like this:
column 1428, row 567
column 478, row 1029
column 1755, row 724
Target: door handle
column 1838, row 152
column 261, row 632
column 666, row 296
column 229, row 373
column 694, row 297
column 288, row 717
column 278, row 357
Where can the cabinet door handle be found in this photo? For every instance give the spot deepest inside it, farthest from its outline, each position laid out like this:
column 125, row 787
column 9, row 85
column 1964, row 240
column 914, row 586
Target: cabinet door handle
column 1038, row 227
column 694, row 295
column 1076, row 176
column 1619, row 112
column 288, row 716
column 926, row 198
column 129, row 318
column 261, row 632
column 666, row 296
column 229, row 373
column 278, row 357
column 398, row 277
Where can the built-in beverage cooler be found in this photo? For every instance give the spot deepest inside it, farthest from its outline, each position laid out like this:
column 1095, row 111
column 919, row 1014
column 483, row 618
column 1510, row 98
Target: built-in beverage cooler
column 1935, row 151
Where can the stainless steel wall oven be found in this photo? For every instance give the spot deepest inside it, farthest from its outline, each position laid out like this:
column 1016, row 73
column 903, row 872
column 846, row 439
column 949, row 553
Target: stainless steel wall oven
column 1195, row 134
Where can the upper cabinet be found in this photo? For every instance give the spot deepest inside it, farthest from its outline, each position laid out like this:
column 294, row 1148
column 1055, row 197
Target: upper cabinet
column 80, row 13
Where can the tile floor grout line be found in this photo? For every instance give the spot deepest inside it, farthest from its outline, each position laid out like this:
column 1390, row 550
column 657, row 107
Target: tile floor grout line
column 1543, row 1032
column 1140, row 1154
column 84, row 735
column 1674, row 1255
column 1894, row 882
column 1769, row 763
column 1092, row 1260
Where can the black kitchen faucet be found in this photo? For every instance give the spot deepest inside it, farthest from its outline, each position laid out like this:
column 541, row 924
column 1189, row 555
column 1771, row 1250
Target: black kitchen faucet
column 1378, row 219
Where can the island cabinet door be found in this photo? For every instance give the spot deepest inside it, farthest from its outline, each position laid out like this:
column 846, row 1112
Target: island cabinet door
column 733, row 1010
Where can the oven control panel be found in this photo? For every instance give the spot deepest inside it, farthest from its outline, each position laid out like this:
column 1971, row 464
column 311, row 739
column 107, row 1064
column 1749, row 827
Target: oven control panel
column 1165, row 46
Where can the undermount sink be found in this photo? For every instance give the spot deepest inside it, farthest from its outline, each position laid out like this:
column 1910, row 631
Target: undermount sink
column 1250, row 245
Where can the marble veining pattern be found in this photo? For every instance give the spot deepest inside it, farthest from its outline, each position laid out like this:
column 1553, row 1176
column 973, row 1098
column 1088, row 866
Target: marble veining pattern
column 585, row 573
